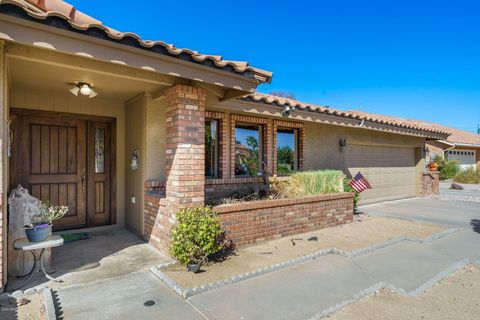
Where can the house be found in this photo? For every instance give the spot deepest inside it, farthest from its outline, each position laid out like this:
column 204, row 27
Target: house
column 127, row 131
column 461, row 146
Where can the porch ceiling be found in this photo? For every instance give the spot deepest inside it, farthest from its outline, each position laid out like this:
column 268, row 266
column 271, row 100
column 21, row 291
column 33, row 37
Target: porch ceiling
column 51, row 78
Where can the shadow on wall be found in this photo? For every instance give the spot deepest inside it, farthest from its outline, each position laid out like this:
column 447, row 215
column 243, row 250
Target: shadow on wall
column 475, row 223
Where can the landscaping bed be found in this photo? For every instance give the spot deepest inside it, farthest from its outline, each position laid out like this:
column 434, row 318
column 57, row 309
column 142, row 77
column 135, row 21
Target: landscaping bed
column 455, row 297
column 362, row 232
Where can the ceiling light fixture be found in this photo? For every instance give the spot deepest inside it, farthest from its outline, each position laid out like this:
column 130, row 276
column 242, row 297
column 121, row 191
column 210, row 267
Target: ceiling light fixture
column 84, row 89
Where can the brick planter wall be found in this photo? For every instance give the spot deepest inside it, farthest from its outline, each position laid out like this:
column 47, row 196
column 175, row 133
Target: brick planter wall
column 225, row 188
column 429, row 183
column 256, row 221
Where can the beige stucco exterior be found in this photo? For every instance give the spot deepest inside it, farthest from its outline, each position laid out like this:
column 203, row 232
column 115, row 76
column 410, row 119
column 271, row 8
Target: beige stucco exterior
column 322, row 143
column 155, row 127
column 134, row 179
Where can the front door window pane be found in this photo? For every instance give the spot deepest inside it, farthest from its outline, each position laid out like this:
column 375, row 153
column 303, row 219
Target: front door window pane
column 99, row 150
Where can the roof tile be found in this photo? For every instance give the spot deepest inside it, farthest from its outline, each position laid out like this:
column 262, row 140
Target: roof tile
column 352, row 114
column 41, row 10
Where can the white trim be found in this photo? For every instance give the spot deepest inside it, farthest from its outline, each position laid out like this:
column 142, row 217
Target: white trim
column 470, row 145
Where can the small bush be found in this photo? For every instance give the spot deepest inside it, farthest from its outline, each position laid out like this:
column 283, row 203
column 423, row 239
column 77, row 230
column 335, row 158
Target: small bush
column 197, row 235
column 308, row 183
column 468, row 176
column 447, row 169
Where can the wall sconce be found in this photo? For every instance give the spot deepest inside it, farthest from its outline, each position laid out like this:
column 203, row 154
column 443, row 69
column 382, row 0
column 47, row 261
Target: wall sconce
column 426, row 151
column 287, row 111
column 343, row 145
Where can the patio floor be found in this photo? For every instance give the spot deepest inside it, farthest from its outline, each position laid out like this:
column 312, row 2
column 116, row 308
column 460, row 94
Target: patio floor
column 105, row 255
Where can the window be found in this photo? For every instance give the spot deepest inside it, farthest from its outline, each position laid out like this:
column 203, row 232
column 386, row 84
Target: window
column 248, row 150
column 287, row 151
column 211, row 147
column 99, row 150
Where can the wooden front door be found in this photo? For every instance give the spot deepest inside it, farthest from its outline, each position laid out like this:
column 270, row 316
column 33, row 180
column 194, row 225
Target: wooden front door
column 60, row 159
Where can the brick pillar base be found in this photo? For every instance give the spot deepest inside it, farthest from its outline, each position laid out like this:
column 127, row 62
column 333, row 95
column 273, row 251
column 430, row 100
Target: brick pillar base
column 185, row 161
column 429, row 183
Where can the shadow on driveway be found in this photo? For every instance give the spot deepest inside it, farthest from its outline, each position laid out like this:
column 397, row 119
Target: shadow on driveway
column 475, row 223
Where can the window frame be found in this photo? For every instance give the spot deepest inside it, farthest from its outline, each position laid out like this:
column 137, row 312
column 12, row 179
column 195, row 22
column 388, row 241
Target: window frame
column 221, row 145
column 216, row 153
column 261, row 146
column 296, row 153
column 299, row 142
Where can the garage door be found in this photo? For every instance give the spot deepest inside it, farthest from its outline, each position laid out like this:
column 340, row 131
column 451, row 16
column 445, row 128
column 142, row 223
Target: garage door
column 390, row 171
column 466, row 158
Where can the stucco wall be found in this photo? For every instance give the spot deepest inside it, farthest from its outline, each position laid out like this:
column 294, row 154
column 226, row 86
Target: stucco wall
column 135, row 140
column 322, row 150
column 155, row 138
column 66, row 102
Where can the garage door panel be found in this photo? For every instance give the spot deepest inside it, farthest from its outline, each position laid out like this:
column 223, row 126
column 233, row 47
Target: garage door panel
column 390, row 171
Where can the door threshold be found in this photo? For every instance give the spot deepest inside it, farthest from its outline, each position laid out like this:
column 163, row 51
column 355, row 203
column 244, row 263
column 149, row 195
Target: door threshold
column 91, row 229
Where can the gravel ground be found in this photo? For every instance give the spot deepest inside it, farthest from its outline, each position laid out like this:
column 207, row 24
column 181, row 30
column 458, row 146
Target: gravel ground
column 455, row 298
column 457, row 197
column 470, row 193
column 363, row 232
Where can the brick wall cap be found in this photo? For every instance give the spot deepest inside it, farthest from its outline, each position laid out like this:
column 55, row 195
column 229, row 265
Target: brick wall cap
column 263, row 204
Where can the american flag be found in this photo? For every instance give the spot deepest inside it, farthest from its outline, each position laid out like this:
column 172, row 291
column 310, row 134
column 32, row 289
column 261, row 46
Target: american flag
column 359, row 183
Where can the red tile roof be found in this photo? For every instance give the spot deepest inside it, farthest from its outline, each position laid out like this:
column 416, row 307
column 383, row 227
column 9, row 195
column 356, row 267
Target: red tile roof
column 456, row 136
column 352, row 114
column 53, row 12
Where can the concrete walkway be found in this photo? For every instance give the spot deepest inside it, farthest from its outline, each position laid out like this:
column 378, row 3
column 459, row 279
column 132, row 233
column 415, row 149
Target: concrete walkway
column 123, row 297
column 299, row 292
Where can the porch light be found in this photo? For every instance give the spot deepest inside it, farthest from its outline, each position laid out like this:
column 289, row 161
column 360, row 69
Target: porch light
column 343, row 145
column 84, row 89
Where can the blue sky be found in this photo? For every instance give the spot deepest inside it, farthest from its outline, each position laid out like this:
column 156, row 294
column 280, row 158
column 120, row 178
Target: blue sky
column 413, row 59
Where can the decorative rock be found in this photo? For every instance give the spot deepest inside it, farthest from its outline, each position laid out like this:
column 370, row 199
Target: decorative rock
column 456, row 186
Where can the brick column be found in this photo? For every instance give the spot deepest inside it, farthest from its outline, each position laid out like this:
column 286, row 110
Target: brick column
column 185, row 149
column 184, row 161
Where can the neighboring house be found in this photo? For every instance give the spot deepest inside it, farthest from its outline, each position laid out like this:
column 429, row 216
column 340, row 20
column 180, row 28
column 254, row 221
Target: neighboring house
column 461, row 146
column 136, row 153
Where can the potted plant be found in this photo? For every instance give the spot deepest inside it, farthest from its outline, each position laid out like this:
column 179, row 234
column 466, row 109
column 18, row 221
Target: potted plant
column 40, row 226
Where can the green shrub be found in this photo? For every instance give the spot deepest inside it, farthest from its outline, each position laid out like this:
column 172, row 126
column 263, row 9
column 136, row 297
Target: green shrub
column 356, row 197
column 309, row 183
column 197, row 235
column 468, row 176
column 447, row 169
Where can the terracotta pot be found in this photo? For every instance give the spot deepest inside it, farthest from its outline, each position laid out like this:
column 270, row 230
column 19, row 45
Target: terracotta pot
column 433, row 166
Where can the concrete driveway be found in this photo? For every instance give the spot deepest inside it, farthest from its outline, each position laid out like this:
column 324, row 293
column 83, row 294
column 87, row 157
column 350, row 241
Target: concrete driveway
column 307, row 290
column 450, row 213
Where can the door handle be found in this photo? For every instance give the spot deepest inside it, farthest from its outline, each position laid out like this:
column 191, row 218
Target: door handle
column 84, row 179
